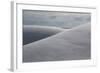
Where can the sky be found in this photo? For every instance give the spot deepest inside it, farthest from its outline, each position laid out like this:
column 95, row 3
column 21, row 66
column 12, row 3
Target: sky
column 54, row 18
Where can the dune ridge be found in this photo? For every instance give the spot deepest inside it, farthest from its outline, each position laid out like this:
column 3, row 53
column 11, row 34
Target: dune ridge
column 67, row 45
column 33, row 33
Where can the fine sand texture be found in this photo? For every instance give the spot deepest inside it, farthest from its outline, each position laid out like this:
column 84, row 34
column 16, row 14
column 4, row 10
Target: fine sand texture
column 66, row 45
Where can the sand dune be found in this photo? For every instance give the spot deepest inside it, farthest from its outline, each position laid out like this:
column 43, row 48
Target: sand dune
column 67, row 45
column 33, row 33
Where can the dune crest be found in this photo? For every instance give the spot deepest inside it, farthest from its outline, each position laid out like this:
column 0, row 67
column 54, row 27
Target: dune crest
column 33, row 33
column 67, row 45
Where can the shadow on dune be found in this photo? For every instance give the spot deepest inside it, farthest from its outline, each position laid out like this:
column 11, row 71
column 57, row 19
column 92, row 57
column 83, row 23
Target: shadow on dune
column 67, row 45
column 33, row 33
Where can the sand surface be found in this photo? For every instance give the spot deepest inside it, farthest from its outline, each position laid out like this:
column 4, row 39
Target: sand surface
column 66, row 45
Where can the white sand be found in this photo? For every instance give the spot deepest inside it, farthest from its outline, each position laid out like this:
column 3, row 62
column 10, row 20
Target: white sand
column 67, row 45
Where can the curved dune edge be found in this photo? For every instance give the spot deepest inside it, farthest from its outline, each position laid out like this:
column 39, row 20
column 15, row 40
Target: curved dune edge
column 33, row 33
column 68, row 45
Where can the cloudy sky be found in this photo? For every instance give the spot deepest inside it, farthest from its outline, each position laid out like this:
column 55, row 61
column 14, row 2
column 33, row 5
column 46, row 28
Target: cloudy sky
column 58, row 19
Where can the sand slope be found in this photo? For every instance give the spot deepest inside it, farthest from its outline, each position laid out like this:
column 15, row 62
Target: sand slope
column 33, row 33
column 67, row 45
